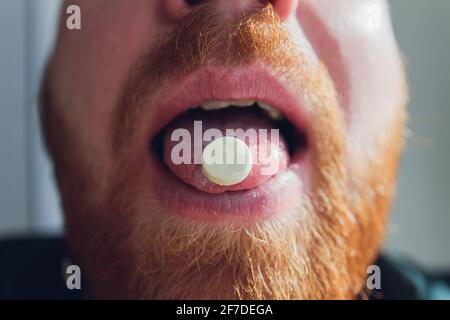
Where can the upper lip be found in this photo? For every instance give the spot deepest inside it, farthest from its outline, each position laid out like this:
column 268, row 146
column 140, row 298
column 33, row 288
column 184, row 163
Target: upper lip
column 221, row 83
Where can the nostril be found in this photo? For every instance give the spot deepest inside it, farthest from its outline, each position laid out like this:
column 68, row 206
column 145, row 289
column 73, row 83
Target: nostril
column 193, row 2
column 177, row 9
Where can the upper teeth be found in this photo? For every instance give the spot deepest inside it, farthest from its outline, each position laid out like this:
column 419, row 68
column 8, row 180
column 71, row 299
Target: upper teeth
column 270, row 110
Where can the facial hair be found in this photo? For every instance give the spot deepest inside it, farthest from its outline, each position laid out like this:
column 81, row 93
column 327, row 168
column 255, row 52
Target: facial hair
column 129, row 246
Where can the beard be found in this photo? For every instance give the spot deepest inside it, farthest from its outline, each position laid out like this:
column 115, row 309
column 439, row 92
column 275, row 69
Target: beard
column 129, row 246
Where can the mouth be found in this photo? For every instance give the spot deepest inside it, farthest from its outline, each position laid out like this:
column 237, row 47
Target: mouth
column 216, row 102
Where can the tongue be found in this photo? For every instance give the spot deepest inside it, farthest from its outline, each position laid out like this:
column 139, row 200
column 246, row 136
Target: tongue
column 269, row 153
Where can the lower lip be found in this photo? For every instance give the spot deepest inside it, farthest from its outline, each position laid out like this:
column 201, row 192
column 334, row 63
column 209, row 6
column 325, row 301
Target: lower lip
column 280, row 194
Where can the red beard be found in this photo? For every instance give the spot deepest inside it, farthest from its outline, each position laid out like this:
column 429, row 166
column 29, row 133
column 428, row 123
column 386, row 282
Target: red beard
column 130, row 247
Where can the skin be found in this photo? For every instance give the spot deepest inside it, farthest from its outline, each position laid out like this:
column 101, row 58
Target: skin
column 353, row 42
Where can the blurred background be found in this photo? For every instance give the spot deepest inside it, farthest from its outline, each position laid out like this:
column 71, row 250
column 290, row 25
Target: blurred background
column 420, row 219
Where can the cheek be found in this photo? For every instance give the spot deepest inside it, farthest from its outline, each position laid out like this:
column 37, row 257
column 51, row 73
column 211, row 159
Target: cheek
column 354, row 39
column 97, row 62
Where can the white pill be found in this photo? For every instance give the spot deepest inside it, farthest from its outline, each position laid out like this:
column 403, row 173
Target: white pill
column 227, row 161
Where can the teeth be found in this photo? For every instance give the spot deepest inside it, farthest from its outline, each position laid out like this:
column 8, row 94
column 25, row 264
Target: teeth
column 271, row 111
column 214, row 105
column 243, row 103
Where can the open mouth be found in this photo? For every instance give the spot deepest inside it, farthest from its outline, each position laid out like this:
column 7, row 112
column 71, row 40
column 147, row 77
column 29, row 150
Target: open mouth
column 272, row 141
column 216, row 101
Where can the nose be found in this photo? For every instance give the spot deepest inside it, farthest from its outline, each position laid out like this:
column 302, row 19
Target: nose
column 177, row 9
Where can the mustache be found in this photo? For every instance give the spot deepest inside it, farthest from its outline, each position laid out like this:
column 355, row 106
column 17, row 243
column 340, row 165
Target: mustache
column 205, row 37
column 209, row 36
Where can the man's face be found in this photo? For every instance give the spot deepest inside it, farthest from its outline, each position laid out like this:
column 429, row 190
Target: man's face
column 143, row 226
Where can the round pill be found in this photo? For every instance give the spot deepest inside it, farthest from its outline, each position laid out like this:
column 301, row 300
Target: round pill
column 226, row 161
